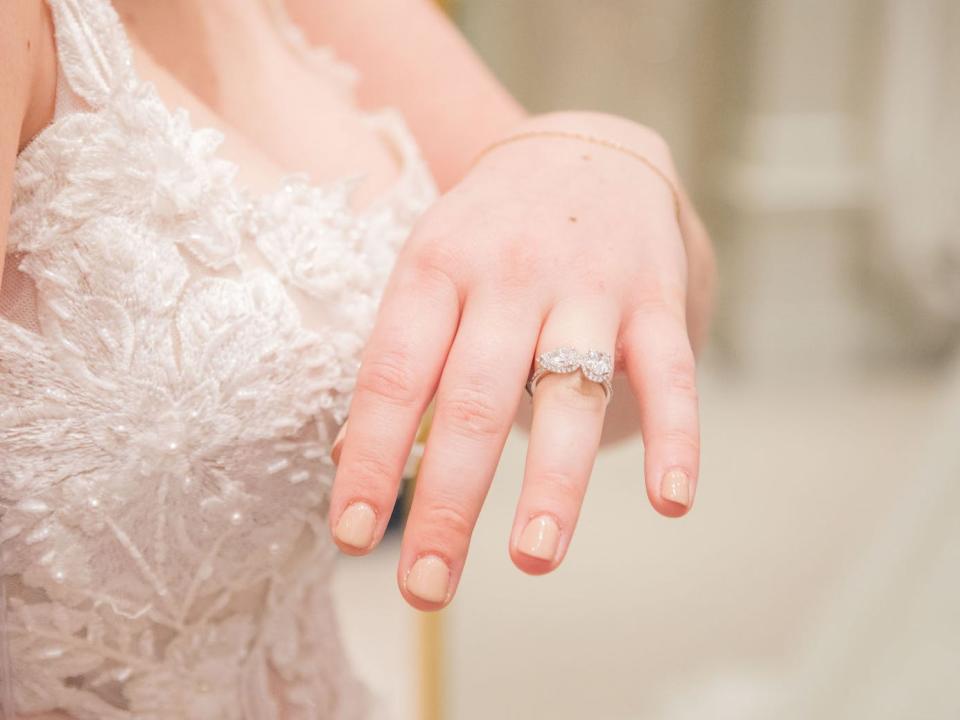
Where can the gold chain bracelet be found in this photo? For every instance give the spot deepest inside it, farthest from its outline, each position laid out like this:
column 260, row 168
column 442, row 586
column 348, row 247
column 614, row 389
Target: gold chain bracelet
column 602, row 142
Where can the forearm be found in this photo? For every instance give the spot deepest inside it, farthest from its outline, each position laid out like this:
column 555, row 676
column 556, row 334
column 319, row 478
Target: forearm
column 411, row 56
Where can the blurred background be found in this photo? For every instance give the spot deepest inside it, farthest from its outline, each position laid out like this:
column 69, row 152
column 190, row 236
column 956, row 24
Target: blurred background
column 818, row 575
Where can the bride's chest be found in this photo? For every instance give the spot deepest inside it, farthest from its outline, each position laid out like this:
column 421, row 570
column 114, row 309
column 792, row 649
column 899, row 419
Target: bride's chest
column 151, row 265
column 281, row 106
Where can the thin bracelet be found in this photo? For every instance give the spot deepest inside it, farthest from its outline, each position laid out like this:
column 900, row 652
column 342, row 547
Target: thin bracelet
column 571, row 135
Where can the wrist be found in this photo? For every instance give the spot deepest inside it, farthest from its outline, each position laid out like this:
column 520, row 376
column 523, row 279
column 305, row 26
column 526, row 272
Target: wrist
column 613, row 128
column 562, row 137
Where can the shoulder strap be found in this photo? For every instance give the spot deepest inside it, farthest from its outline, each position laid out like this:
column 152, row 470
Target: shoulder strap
column 92, row 48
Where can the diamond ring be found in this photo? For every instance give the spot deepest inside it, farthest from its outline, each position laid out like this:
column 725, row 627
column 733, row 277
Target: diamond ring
column 595, row 365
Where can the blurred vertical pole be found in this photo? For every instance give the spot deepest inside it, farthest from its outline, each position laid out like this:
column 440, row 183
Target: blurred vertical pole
column 429, row 624
column 431, row 666
column 430, row 645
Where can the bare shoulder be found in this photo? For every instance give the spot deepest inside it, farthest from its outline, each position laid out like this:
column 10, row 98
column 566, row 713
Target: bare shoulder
column 28, row 83
column 27, row 88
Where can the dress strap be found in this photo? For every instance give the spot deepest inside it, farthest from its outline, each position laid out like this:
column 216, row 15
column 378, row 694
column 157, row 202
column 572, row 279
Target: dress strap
column 319, row 58
column 93, row 52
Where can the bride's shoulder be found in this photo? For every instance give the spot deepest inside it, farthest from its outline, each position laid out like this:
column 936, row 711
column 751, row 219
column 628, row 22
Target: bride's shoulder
column 27, row 89
column 28, row 81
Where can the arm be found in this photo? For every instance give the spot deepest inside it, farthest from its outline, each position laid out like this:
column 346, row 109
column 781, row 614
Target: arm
column 551, row 240
column 411, row 57
column 26, row 91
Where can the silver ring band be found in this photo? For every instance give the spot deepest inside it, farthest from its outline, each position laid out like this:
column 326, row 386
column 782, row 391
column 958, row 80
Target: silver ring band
column 595, row 365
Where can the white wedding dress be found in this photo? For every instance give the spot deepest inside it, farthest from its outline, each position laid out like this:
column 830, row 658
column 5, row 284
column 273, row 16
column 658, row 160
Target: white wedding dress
column 176, row 354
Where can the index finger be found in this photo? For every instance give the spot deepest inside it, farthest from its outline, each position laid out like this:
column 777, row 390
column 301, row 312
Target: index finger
column 399, row 372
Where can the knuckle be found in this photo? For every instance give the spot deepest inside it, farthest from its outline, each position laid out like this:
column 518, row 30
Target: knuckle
column 435, row 260
column 559, row 485
column 388, row 376
column 682, row 438
column 681, row 375
column 449, row 519
column 468, row 410
column 659, row 300
column 369, row 473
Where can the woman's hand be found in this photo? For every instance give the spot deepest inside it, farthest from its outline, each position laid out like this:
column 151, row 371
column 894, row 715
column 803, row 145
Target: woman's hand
column 547, row 242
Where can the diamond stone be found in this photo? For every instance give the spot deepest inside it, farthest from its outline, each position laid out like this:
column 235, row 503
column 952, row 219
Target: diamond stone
column 597, row 366
column 561, row 360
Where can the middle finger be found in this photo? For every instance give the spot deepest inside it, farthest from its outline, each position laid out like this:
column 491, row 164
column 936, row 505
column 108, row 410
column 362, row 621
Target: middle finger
column 480, row 388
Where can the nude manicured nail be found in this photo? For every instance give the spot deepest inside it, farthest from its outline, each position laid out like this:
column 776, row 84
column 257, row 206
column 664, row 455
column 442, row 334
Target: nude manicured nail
column 356, row 525
column 429, row 579
column 540, row 538
column 338, row 443
column 675, row 487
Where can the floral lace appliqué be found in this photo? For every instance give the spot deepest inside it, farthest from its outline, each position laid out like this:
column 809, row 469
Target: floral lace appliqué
column 164, row 434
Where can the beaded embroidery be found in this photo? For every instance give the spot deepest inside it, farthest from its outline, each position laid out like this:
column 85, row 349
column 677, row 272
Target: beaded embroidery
column 164, row 435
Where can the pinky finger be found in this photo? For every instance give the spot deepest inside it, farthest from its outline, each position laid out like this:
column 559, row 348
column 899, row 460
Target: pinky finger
column 660, row 365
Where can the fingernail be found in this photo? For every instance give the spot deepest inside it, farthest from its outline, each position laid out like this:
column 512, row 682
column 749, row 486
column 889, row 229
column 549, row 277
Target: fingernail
column 338, row 443
column 356, row 525
column 429, row 579
column 675, row 487
column 540, row 538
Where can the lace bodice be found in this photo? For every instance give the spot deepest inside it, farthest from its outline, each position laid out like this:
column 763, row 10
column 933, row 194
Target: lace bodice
column 168, row 403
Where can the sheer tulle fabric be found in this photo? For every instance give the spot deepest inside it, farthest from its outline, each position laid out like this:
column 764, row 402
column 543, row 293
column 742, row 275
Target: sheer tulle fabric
column 176, row 355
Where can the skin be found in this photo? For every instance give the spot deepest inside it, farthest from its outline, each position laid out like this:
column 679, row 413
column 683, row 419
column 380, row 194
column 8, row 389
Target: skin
column 499, row 269
column 540, row 243
column 26, row 52
column 464, row 323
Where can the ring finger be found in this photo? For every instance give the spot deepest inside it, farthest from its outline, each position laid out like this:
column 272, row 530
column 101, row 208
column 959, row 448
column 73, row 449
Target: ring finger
column 568, row 413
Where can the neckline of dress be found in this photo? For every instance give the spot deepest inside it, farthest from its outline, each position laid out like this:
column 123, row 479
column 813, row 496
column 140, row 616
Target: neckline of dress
column 386, row 121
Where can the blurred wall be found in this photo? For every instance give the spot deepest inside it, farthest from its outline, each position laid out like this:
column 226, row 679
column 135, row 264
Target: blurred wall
column 816, row 574
column 782, row 115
